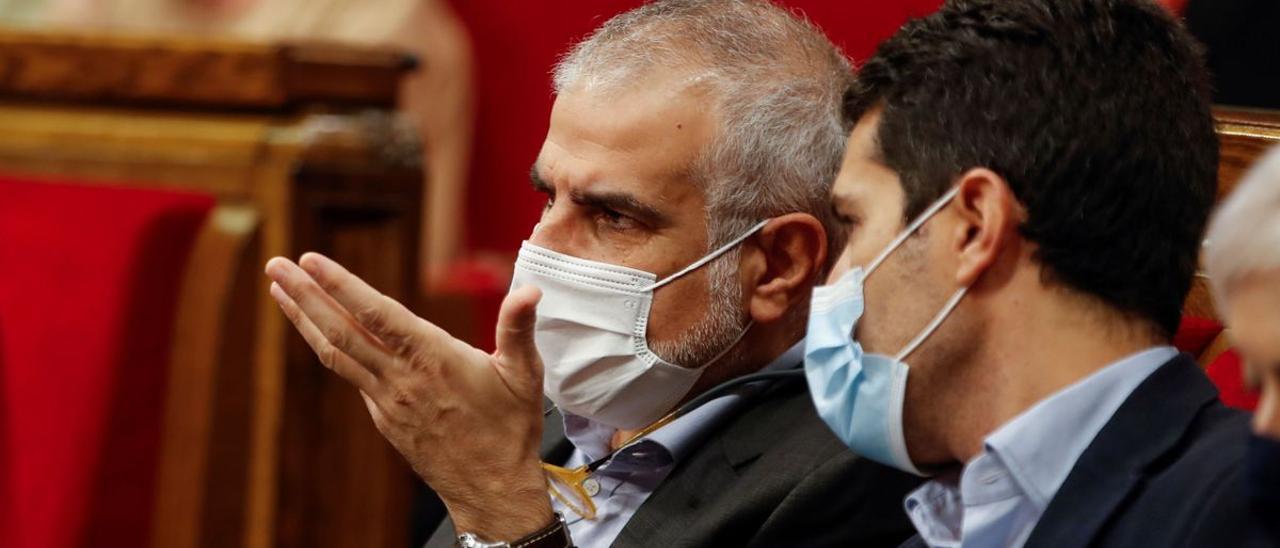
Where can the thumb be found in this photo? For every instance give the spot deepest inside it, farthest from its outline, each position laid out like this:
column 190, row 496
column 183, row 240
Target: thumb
column 517, row 354
column 1266, row 418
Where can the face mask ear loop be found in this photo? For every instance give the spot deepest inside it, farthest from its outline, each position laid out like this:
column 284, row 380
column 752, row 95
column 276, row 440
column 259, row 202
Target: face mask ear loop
column 711, row 257
column 913, row 227
column 933, row 325
column 741, row 335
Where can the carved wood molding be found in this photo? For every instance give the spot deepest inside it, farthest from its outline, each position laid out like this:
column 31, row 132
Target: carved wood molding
column 1245, row 135
column 195, row 72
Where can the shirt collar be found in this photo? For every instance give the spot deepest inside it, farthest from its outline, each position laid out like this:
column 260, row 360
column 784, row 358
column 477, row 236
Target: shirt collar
column 680, row 437
column 1041, row 446
column 1037, row 449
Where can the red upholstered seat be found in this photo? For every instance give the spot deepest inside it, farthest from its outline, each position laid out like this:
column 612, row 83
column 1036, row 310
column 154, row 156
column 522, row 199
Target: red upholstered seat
column 88, row 284
column 1227, row 372
column 1197, row 336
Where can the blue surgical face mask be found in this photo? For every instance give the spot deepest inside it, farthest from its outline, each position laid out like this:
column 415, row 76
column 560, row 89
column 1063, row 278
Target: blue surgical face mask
column 860, row 395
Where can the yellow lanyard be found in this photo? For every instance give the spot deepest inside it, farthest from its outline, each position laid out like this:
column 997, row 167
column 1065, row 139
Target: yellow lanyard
column 574, row 479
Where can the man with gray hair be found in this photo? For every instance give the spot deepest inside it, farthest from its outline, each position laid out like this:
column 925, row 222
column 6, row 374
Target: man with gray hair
column 660, row 304
column 1242, row 258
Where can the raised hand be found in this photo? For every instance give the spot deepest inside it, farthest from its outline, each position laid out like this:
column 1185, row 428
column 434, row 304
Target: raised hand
column 468, row 422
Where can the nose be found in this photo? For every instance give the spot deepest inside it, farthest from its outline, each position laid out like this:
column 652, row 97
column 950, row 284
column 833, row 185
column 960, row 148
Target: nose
column 554, row 230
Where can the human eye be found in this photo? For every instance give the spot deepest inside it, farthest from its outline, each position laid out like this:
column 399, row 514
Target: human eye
column 845, row 219
column 615, row 220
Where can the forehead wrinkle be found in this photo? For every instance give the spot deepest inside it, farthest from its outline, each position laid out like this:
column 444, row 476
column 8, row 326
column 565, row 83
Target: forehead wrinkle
column 656, row 197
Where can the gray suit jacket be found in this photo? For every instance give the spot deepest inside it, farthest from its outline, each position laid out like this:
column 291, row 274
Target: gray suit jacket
column 772, row 476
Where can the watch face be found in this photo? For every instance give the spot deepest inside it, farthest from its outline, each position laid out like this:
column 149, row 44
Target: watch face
column 468, row 540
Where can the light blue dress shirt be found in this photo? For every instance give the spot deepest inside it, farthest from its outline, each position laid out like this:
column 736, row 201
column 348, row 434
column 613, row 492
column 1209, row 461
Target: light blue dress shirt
column 1002, row 492
column 621, row 485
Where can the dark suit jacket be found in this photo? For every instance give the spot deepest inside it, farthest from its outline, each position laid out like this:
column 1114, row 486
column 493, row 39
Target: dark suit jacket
column 1166, row 470
column 773, row 475
column 1264, row 481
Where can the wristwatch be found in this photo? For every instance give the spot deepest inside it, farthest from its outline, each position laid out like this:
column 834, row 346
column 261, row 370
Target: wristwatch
column 555, row 535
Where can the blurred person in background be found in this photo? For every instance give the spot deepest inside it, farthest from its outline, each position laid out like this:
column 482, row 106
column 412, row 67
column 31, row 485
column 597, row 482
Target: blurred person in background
column 1243, row 263
column 686, row 170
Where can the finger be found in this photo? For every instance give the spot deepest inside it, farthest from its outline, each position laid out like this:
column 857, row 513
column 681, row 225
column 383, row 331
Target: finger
column 332, row 322
column 329, row 355
column 399, row 329
column 1266, row 418
column 517, row 351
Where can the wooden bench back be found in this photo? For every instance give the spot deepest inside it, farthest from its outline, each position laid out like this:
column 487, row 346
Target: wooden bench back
column 1245, row 136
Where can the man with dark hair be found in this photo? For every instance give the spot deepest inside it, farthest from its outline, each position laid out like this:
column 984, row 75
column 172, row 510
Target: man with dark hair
column 1026, row 188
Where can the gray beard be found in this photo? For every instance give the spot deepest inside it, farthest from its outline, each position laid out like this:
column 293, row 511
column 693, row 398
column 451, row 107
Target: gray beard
column 719, row 326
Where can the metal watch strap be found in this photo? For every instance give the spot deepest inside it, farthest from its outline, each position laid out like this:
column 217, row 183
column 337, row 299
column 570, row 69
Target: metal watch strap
column 555, row 535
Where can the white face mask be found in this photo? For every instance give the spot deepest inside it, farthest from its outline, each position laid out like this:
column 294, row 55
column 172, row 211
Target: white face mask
column 591, row 330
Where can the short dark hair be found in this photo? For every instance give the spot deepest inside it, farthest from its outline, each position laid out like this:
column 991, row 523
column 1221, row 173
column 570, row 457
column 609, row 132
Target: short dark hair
column 1097, row 114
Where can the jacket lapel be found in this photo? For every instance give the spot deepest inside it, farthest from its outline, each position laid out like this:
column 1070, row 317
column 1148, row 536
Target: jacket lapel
column 914, row 542
column 670, row 515
column 1147, row 425
column 555, row 448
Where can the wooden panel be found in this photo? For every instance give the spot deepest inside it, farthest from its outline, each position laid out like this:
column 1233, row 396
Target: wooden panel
column 331, row 74
column 1199, row 301
column 1245, row 135
column 204, row 466
column 373, row 232
column 195, row 72
column 225, row 519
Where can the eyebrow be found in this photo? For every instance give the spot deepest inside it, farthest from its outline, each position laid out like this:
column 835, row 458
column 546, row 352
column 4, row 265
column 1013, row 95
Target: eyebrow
column 621, row 202
column 839, row 199
column 539, row 184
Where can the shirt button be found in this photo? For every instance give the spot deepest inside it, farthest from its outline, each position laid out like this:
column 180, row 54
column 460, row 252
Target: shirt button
column 591, row 486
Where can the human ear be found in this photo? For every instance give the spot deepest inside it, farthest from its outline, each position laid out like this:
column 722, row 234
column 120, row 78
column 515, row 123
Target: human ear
column 988, row 214
column 780, row 269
